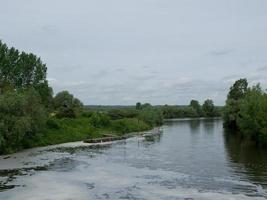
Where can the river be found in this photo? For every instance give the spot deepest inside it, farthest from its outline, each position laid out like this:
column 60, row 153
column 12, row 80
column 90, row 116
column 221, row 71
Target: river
column 190, row 160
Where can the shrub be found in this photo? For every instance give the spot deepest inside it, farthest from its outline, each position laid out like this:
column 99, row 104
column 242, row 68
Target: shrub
column 52, row 124
column 151, row 116
column 22, row 118
column 66, row 105
column 99, row 120
column 123, row 126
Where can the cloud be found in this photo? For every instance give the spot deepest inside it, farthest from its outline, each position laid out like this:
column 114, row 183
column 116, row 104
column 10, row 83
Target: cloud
column 262, row 69
column 222, row 52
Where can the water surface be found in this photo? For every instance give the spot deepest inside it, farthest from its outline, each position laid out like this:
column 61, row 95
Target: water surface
column 191, row 159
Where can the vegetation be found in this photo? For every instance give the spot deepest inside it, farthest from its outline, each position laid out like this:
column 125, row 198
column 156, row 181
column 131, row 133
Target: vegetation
column 31, row 116
column 194, row 110
column 246, row 111
column 65, row 105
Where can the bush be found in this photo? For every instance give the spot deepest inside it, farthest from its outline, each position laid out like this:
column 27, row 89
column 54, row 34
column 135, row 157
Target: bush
column 123, row 126
column 252, row 118
column 120, row 114
column 99, row 120
column 52, row 124
column 151, row 116
column 87, row 114
column 22, row 119
column 66, row 105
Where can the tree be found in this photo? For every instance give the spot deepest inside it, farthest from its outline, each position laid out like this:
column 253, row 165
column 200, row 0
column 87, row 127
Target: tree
column 66, row 105
column 209, row 108
column 138, row 106
column 195, row 104
column 237, row 92
column 22, row 118
column 20, row 69
column 252, row 117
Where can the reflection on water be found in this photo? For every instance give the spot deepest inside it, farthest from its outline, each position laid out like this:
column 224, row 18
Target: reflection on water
column 245, row 155
column 192, row 159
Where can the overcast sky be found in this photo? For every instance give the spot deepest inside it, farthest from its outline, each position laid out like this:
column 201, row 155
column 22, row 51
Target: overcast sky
column 157, row 51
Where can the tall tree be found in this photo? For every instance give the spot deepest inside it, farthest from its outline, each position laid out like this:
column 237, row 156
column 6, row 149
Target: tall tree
column 195, row 104
column 67, row 105
column 237, row 92
column 209, row 108
column 138, row 106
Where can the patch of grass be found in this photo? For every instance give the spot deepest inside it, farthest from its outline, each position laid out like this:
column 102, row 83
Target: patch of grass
column 128, row 125
column 76, row 129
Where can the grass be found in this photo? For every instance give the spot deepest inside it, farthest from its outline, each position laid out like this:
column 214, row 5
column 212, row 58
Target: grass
column 77, row 129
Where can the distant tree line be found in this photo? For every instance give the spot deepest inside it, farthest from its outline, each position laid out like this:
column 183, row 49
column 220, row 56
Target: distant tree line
column 193, row 110
column 246, row 111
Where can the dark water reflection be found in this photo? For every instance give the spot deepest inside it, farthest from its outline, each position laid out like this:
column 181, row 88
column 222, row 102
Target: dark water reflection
column 191, row 159
column 245, row 157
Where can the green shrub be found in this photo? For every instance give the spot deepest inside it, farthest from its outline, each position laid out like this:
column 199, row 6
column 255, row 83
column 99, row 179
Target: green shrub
column 122, row 113
column 151, row 116
column 52, row 124
column 66, row 105
column 99, row 120
column 22, row 118
column 129, row 125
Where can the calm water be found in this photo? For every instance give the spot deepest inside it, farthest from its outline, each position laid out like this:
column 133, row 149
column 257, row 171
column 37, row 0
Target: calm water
column 192, row 159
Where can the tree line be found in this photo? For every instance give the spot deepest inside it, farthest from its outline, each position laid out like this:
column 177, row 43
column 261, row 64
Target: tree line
column 193, row 110
column 246, row 111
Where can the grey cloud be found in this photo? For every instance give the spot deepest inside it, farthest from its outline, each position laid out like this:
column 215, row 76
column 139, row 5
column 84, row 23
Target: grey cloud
column 262, row 69
column 221, row 52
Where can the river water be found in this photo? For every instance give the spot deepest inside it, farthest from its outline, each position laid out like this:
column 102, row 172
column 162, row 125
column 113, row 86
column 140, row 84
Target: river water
column 191, row 159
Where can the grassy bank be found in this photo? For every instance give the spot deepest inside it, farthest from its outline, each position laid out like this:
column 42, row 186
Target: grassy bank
column 69, row 130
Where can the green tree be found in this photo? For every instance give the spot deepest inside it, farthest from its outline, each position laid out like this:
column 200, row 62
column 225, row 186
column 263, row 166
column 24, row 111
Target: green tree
column 66, row 105
column 237, row 92
column 22, row 118
column 138, row 106
column 195, row 104
column 209, row 108
column 252, row 117
column 20, row 69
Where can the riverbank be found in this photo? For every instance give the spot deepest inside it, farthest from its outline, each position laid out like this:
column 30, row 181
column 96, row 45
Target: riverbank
column 65, row 130
column 43, row 156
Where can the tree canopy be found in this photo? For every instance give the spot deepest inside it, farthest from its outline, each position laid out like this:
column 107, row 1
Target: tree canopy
column 246, row 110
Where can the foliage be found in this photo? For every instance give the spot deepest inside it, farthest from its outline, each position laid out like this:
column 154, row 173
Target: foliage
column 99, row 120
column 252, row 118
column 209, row 108
column 22, row 118
column 122, row 113
column 151, row 116
column 236, row 93
column 138, row 106
column 66, row 105
column 196, row 106
column 129, row 125
column 246, row 110
column 52, row 124
column 238, row 90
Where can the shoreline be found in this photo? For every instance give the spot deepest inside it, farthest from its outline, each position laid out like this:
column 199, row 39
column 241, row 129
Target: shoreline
column 190, row 118
column 43, row 156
